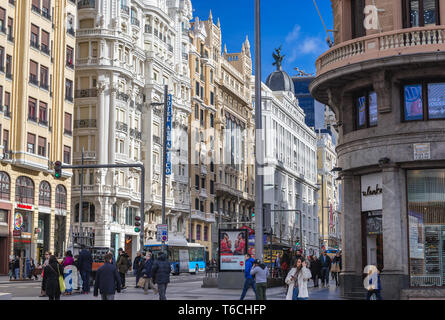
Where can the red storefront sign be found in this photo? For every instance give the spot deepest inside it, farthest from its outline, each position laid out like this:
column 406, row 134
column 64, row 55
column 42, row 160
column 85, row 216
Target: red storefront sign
column 24, row 206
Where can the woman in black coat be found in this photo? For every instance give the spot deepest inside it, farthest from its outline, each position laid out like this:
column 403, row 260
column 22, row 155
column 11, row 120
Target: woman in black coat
column 51, row 278
column 315, row 268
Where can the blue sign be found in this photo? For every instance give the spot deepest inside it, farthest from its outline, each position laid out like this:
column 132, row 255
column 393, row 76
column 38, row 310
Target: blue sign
column 168, row 142
column 252, row 239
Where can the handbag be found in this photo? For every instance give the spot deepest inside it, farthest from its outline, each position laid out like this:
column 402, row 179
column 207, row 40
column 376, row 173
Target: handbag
column 61, row 281
column 141, row 282
column 335, row 267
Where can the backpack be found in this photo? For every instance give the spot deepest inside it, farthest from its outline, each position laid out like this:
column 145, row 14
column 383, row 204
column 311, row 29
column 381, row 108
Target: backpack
column 128, row 262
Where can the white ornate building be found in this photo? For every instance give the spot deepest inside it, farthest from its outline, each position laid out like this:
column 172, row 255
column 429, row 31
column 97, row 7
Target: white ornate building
column 290, row 174
column 127, row 50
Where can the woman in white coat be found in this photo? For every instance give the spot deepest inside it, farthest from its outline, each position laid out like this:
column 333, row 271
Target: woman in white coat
column 297, row 279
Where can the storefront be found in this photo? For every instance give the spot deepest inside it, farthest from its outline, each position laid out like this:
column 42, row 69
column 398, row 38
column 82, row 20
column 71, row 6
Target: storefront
column 371, row 220
column 22, row 232
column 426, row 227
column 43, row 231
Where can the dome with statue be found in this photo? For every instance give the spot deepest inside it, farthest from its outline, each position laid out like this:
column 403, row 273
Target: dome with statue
column 279, row 80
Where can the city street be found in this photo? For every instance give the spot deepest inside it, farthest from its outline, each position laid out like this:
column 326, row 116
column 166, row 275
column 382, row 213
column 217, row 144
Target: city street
column 183, row 287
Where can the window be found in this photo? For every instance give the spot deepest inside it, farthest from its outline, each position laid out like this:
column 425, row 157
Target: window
column 212, row 98
column 2, row 59
column 206, row 233
column 201, row 114
column 32, row 109
column 197, row 182
column 212, row 167
column 197, row 89
column 33, row 67
column 5, row 186
column 42, row 147
column 366, row 110
column 203, row 183
column 46, row 7
column 61, row 197
column 115, row 213
column 69, row 90
column 67, row 154
column 68, row 123
column 424, row 101
column 8, row 66
column 45, row 194
column 196, row 204
column 69, row 56
column 43, row 113
column 34, row 36
column 36, row 5
column 198, row 232
column 1, row 97
column 2, row 20
column 420, row 13
column 24, row 190
column 130, row 213
column 10, row 29
column 5, row 140
column 44, row 46
column 357, row 15
column 44, row 77
column 211, row 187
column 212, row 121
column 31, row 143
column 426, row 227
column 202, row 209
column 196, row 112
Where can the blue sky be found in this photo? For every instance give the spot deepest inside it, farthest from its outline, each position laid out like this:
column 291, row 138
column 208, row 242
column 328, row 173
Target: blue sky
column 294, row 24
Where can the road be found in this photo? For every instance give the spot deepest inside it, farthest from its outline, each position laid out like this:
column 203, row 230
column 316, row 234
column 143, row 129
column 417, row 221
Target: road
column 182, row 287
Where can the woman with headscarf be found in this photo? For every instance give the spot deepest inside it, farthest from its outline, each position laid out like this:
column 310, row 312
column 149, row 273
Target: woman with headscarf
column 51, row 275
column 68, row 270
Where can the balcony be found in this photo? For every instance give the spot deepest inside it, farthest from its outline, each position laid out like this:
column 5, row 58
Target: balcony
column 35, row 44
column 125, row 10
column 35, row 9
column 85, row 123
column 71, row 31
column 44, row 86
column 46, row 14
column 185, row 56
column 33, row 79
column 121, row 126
column 86, row 93
column 86, row 4
column 69, row 63
column 148, row 28
column 135, row 22
column 122, row 96
column 156, row 139
column 196, row 214
column 44, row 48
column 136, row 134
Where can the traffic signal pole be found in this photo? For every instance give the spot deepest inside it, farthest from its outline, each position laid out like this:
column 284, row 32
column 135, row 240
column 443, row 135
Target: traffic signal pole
column 107, row 166
column 164, row 158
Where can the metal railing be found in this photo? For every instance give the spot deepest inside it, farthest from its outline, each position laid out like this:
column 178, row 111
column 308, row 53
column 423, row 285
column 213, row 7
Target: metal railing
column 86, row 93
column 85, row 4
column 122, row 96
column 121, row 126
column 125, row 9
column 135, row 21
column 148, row 28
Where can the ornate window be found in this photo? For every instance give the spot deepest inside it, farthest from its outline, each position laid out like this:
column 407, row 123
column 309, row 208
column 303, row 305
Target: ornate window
column 24, row 190
column 45, row 194
column 61, row 197
column 421, row 13
column 5, row 186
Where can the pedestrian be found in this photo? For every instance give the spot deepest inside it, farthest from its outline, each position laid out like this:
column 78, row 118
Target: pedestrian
column 161, row 274
column 32, row 269
column 278, row 265
column 373, row 284
column 325, row 262
column 122, row 265
column 315, row 269
column 137, row 263
column 11, row 268
column 85, row 265
column 17, row 267
column 107, row 279
column 45, row 263
column 51, row 275
column 297, row 256
column 67, row 264
column 248, row 279
column 297, row 280
column 336, row 267
column 260, row 272
column 148, row 274
column 77, row 278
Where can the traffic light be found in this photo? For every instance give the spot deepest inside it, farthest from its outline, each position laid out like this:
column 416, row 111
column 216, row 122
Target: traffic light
column 253, row 212
column 137, row 224
column 57, row 169
column 298, row 243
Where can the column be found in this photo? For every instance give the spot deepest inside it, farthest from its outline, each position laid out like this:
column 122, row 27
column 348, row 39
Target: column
column 351, row 275
column 100, row 142
column 395, row 259
column 112, row 117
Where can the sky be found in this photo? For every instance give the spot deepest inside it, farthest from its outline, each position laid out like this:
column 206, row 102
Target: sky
column 293, row 24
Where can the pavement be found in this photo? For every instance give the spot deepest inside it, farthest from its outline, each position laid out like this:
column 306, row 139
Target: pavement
column 182, row 287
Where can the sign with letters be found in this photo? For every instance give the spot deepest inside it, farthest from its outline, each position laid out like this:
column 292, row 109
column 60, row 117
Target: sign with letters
column 168, row 142
column 422, row 151
column 162, row 232
column 371, row 192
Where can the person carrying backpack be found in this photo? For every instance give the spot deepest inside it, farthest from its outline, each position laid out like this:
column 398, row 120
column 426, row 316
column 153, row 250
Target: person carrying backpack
column 123, row 265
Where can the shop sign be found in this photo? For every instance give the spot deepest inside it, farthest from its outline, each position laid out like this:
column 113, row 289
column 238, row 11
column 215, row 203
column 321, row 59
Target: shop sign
column 18, row 221
column 16, row 233
column 24, row 206
column 371, row 192
column 422, row 151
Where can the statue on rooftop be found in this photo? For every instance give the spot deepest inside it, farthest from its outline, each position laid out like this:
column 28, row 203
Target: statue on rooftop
column 278, row 58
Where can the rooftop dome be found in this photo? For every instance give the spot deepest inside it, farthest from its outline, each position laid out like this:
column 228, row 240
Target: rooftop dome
column 279, row 80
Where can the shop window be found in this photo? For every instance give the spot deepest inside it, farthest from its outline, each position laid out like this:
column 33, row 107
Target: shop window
column 420, row 13
column 45, row 194
column 366, row 110
column 61, row 197
column 24, row 190
column 5, row 186
column 424, row 101
column 426, row 227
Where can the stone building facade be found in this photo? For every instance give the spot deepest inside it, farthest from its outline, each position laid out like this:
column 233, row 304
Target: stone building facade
column 386, row 85
column 36, row 99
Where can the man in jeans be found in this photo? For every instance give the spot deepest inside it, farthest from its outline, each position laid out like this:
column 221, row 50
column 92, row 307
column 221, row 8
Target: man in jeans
column 107, row 280
column 325, row 262
column 85, row 265
column 260, row 272
column 248, row 282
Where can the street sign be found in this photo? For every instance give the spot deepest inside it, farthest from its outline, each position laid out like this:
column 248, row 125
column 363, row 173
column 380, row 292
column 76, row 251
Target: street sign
column 162, row 232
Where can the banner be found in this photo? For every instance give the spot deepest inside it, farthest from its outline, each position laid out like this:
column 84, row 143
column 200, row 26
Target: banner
column 232, row 248
column 168, row 142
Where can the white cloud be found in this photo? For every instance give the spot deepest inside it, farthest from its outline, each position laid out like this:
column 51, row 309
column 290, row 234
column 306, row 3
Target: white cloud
column 312, row 46
column 294, row 34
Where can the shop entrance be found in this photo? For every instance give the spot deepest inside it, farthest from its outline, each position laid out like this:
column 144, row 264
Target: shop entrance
column 372, row 239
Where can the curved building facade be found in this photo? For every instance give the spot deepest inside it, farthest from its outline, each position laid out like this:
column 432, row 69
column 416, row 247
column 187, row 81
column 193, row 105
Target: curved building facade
column 384, row 80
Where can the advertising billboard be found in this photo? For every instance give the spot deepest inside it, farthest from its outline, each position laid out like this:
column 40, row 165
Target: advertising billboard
column 232, row 248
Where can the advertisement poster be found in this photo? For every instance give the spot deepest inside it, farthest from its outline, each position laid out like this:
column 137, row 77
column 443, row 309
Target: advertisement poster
column 416, row 235
column 232, row 248
column 361, row 111
column 436, row 101
column 413, row 102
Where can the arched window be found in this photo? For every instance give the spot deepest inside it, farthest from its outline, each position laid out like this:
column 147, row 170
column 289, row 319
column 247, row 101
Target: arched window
column 5, row 186
column 61, row 197
column 88, row 212
column 24, row 190
column 45, row 194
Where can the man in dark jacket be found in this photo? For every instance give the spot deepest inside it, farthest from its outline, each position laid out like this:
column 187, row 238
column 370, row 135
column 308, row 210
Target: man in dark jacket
column 107, row 280
column 315, row 268
column 248, row 282
column 148, row 275
column 161, row 274
column 85, row 266
column 325, row 262
column 138, row 262
column 122, row 265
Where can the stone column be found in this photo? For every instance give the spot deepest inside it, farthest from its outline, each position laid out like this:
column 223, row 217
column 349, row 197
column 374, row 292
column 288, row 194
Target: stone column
column 112, row 127
column 100, row 141
column 350, row 276
column 394, row 276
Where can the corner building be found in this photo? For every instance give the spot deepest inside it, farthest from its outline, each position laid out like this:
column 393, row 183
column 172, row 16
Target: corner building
column 36, row 107
column 386, row 86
